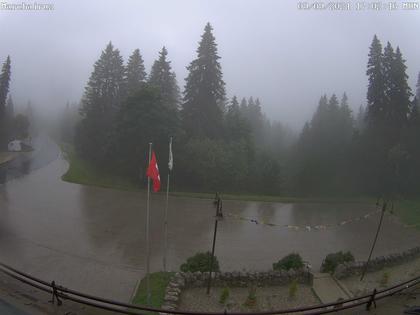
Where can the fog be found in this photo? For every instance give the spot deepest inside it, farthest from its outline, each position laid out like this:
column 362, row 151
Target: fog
column 269, row 49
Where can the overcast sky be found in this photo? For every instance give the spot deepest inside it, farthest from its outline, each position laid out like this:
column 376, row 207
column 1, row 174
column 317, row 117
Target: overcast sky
column 269, row 48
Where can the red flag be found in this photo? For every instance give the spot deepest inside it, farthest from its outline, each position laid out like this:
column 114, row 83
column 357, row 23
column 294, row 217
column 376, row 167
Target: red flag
column 153, row 172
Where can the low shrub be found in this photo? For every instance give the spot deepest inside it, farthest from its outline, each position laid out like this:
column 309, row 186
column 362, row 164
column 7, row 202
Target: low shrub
column 200, row 262
column 251, row 299
column 224, row 295
column 334, row 259
column 291, row 261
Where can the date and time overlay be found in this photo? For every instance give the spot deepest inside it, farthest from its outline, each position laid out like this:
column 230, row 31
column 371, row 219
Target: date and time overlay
column 359, row 5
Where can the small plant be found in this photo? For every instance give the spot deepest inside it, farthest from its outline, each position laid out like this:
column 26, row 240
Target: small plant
column 293, row 287
column 251, row 299
column 291, row 261
column 200, row 262
column 334, row 259
column 385, row 279
column 224, row 295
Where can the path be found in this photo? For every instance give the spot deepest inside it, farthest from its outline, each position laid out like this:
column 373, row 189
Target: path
column 328, row 289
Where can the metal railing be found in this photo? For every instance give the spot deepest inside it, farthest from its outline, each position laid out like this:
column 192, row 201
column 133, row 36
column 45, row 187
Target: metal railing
column 59, row 292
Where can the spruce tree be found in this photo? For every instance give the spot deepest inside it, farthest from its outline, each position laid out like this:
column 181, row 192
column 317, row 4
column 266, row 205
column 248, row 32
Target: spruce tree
column 399, row 91
column 387, row 115
column 9, row 118
column 411, row 142
column 142, row 118
column 361, row 118
column 320, row 113
column 418, row 87
column 10, row 107
column 244, row 104
column 105, row 88
column 345, row 118
column 104, row 93
column 4, row 90
column 135, row 72
column 236, row 126
column 254, row 114
column 376, row 87
column 204, row 94
column 162, row 77
column 4, row 83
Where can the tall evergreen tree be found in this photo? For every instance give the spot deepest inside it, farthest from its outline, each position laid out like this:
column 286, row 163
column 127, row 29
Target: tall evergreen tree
column 244, row 104
column 360, row 122
column 104, row 93
column 323, row 148
column 9, row 118
column 345, row 118
column 236, row 126
column 4, row 90
column 135, row 72
column 142, row 118
column 10, row 107
column 204, row 94
column 4, row 83
column 418, row 87
column 376, row 88
column 399, row 91
column 388, row 112
column 164, row 79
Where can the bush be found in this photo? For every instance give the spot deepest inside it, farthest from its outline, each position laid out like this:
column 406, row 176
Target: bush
column 291, row 261
column 293, row 287
column 334, row 259
column 200, row 262
column 224, row 295
column 251, row 299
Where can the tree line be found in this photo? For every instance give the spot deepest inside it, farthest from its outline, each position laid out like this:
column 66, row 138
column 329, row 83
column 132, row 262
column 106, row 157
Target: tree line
column 12, row 125
column 376, row 152
column 218, row 143
column 230, row 145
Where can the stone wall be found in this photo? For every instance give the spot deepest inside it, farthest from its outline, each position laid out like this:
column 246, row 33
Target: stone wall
column 355, row 268
column 183, row 280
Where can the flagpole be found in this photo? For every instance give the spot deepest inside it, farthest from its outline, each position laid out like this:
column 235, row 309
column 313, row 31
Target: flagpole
column 165, row 222
column 147, row 232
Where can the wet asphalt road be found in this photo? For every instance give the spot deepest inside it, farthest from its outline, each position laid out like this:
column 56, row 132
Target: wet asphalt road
column 92, row 239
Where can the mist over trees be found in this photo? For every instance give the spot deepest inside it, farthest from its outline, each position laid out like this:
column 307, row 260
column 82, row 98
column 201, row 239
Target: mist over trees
column 230, row 145
column 12, row 125
column 4, row 90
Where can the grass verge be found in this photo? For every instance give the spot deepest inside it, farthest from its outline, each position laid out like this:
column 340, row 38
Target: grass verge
column 83, row 172
column 409, row 212
column 158, row 283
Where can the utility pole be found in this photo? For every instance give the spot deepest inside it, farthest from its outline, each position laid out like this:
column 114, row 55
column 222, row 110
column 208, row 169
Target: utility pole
column 219, row 215
column 147, row 234
column 384, row 205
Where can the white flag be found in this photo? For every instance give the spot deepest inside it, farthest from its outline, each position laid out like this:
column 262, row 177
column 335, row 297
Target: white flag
column 171, row 159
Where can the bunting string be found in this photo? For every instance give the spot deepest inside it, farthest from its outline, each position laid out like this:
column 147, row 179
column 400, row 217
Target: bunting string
column 307, row 228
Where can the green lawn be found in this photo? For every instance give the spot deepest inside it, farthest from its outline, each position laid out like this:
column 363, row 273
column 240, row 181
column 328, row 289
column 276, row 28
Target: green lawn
column 158, row 284
column 408, row 211
column 83, row 172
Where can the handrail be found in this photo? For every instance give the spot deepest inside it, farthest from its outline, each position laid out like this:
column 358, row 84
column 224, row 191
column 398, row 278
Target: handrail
column 131, row 309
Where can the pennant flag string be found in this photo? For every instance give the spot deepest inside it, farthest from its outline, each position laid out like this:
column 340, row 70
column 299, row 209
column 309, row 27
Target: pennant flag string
column 307, row 228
